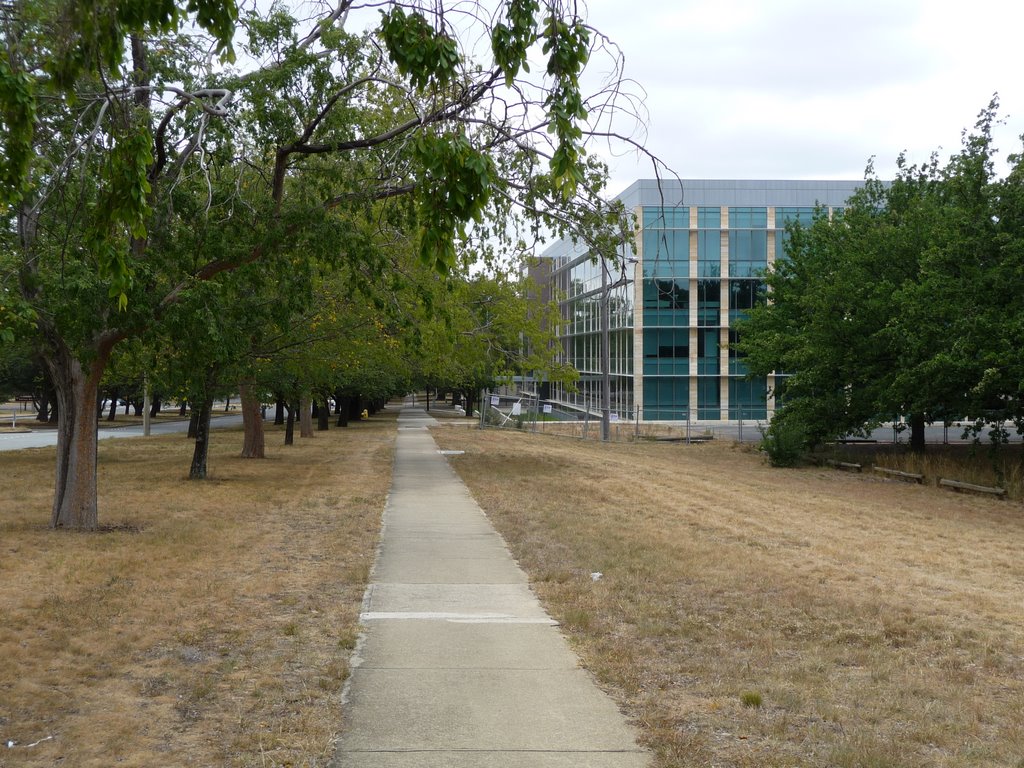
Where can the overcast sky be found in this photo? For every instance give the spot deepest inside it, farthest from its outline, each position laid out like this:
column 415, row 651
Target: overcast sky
column 811, row 89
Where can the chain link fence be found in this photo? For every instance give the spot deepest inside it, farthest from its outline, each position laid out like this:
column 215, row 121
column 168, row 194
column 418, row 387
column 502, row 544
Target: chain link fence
column 528, row 412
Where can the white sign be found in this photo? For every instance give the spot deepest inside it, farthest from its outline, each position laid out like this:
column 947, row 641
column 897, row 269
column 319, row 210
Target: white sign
column 517, row 409
column 495, row 400
column 547, row 408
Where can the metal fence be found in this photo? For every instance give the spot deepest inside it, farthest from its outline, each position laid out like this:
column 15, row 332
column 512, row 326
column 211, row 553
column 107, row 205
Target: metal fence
column 528, row 412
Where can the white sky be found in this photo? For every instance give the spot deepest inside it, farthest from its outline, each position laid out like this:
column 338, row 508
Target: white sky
column 811, row 89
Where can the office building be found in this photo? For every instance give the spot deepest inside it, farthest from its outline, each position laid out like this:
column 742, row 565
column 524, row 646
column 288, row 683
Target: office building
column 701, row 246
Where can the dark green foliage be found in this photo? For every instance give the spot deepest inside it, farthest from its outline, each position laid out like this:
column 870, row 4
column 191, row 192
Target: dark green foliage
column 510, row 42
column 455, row 190
column 17, row 124
column 907, row 305
column 784, row 441
column 419, row 51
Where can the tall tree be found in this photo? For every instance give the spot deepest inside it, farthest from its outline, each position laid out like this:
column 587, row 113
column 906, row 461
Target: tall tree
column 899, row 306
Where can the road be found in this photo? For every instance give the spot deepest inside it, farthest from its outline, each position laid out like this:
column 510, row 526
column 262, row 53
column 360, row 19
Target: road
column 15, row 441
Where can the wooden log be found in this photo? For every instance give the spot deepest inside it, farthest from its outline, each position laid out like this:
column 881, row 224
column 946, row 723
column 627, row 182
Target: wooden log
column 956, row 485
column 899, row 475
column 844, row 465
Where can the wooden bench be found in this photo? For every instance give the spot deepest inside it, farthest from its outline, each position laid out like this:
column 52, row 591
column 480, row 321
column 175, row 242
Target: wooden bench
column 956, row 485
column 898, row 475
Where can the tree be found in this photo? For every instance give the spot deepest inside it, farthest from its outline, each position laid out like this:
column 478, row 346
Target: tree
column 490, row 331
column 899, row 307
column 308, row 130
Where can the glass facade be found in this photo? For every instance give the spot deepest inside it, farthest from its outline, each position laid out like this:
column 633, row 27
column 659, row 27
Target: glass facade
column 587, row 295
column 701, row 268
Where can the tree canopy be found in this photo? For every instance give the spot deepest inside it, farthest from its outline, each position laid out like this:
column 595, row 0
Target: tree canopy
column 149, row 149
column 903, row 306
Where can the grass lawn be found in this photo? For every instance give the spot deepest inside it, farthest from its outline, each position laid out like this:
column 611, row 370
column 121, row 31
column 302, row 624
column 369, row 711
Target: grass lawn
column 210, row 623
column 749, row 616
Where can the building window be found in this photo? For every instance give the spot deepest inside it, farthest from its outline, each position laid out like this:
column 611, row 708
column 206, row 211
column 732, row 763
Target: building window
column 666, row 398
column 748, row 252
column 707, row 352
column 667, row 351
column 709, row 399
column 747, row 398
column 748, row 218
column 709, row 253
column 666, row 253
column 803, row 216
column 744, row 295
column 666, row 218
column 709, row 302
column 709, row 218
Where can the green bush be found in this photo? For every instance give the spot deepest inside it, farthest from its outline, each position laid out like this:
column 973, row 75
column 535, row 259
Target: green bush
column 785, row 441
column 751, row 699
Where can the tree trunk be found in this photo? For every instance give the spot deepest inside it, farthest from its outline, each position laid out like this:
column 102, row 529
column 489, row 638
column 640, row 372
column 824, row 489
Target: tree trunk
column 254, row 442
column 183, row 409
column 77, row 391
column 917, row 444
column 193, row 424
column 289, row 427
column 137, row 405
column 47, row 401
column 154, row 411
column 343, row 407
column 470, row 402
column 202, row 450
column 278, row 410
column 227, row 404
column 305, row 418
column 324, row 415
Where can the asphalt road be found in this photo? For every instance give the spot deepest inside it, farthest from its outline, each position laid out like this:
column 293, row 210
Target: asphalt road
column 15, row 441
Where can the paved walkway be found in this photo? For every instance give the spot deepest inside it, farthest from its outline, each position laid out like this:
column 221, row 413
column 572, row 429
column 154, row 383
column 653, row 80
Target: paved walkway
column 460, row 665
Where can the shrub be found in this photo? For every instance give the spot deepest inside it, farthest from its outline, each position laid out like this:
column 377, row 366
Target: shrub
column 785, row 441
column 751, row 699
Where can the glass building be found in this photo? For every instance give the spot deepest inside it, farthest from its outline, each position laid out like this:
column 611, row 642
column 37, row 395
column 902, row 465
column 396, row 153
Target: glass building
column 701, row 247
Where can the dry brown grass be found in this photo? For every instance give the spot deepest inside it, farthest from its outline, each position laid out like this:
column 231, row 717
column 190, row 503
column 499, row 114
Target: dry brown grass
column 750, row 616
column 210, row 624
column 979, row 464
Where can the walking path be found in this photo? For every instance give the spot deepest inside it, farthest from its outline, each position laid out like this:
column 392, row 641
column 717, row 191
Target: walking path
column 460, row 666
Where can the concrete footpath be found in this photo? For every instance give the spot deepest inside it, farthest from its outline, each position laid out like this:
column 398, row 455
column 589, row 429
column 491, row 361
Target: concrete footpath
column 460, row 666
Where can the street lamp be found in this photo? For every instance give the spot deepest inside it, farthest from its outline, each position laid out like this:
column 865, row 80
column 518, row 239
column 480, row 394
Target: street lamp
column 606, row 352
